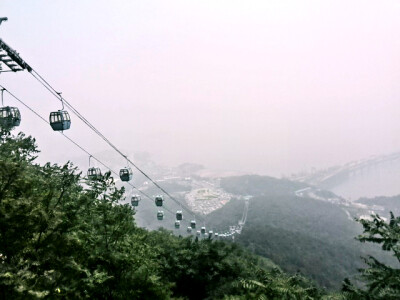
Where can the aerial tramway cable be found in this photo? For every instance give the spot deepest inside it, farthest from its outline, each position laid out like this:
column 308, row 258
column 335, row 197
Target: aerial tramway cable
column 56, row 94
column 60, row 120
column 83, row 149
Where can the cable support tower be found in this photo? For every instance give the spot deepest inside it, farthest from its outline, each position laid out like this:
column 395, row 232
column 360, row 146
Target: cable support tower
column 83, row 149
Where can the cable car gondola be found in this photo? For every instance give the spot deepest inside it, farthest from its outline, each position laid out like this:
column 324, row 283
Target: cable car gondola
column 160, row 215
column 198, row 233
column 93, row 173
column 210, row 233
column 125, row 174
column 189, row 229
column 159, row 200
column 177, row 224
column 203, row 230
column 9, row 116
column 60, row 120
column 179, row 215
column 135, row 200
column 193, row 224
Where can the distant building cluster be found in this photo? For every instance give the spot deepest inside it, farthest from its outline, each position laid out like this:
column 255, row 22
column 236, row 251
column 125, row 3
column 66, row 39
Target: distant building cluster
column 206, row 197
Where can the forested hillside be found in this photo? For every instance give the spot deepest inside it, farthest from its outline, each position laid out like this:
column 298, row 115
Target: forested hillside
column 62, row 236
column 65, row 237
column 300, row 234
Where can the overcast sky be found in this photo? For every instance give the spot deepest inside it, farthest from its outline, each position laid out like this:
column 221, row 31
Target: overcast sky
column 271, row 87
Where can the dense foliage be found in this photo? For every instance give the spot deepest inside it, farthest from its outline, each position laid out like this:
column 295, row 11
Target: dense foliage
column 382, row 281
column 62, row 236
column 60, row 239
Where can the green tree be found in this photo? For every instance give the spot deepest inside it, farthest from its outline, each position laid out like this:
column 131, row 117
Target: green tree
column 58, row 239
column 274, row 284
column 382, row 281
column 200, row 269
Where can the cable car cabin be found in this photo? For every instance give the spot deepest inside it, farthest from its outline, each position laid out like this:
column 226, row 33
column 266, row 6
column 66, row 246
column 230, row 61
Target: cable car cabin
column 160, row 215
column 9, row 116
column 125, row 174
column 179, row 215
column 210, row 233
column 189, row 229
column 94, row 173
column 177, row 224
column 198, row 232
column 60, row 120
column 193, row 224
column 159, row 200
column 203, row 230
column 135, row 200
column 216, row 235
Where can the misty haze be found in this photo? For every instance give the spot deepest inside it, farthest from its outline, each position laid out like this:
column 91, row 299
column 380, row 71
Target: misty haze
column 264, row 135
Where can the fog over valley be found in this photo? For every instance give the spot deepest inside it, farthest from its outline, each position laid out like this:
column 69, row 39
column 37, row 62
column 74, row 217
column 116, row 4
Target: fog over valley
column 270, row 88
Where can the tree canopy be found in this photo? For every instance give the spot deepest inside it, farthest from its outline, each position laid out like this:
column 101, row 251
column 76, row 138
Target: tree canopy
column 382, row 281
column 63, row 236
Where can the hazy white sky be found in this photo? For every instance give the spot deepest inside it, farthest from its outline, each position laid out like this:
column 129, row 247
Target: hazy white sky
column 263, row 86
